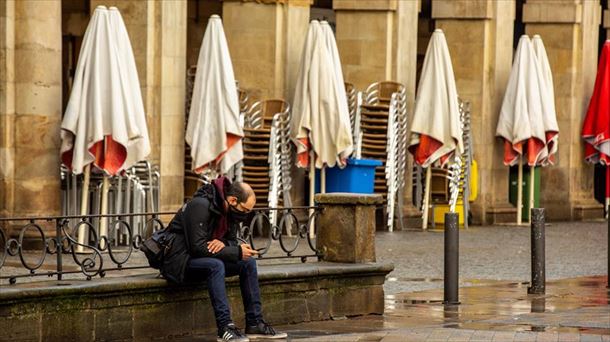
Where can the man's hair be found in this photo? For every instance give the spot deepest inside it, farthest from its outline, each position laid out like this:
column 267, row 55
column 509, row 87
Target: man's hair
column 239, row 191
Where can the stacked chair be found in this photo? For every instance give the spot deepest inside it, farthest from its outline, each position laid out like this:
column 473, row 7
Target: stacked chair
column 267, row 152
column 134, row 191
column 380, row 127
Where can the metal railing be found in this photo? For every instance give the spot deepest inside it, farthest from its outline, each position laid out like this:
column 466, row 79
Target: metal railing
column 119, row 250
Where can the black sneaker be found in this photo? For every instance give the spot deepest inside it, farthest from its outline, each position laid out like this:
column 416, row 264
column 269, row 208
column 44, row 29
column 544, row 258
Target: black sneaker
column 230, row 333
column 263, row 330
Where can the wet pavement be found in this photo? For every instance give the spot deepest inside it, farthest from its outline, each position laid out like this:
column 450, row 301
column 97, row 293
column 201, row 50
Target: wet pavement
column 574, row 309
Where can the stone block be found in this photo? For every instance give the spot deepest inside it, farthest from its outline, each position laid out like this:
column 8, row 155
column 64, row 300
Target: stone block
column 365, row 5
column 114, row 324
column 463, row 9
column 38, row 10
column 346, row 227
column 37, row 197
column 172, row 192
column 35, row 163
column 552, row 12
column 43, row 99
column 287, row 308
column 68, row 326
column 173, row 126
column 348, row 301
column 20, row 328
column 169, row 319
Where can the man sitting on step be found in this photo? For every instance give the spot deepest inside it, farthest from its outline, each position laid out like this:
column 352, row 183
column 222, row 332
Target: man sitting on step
column 208, row 250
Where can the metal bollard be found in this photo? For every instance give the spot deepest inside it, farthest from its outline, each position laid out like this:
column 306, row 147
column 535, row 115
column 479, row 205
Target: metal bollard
column 538, row 262
column 451, row 259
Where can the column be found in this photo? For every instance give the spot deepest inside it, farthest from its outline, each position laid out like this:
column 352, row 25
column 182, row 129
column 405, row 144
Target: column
column 172, row 88
column 30, row 128
column 157, row 30
column 7, row 106
column 265, row 42
column 480, row 38
column 376, row 41
column 569, row 29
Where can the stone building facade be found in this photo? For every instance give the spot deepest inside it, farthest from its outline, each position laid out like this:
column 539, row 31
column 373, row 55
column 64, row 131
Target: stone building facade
column 377, row 40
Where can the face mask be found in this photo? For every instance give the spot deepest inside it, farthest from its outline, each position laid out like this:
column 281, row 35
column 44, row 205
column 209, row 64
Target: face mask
column 236, row 215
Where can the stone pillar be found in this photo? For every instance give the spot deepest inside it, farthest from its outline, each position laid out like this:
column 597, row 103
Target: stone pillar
column 376, row 40
column 480, row 39
column 346, row 227
column 30, row 107
column 569, row 29
column 266, row 41
column 157, row 30
column 7, row 106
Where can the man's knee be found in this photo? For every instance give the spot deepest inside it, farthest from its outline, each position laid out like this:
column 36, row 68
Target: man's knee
column 217, row 267
column 250, row 264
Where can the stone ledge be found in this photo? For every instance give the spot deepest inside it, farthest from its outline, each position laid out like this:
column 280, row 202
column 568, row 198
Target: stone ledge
column 143, row 307
column 344, row 198
column 365, row 5
column 463, row 9
column 552, row 12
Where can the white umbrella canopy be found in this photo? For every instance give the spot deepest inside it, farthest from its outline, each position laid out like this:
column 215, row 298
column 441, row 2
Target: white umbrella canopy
column 104, row 122
column 521, row 122
column 549, row 115
column 436, row 132
column 320, row 120
column 214, row 131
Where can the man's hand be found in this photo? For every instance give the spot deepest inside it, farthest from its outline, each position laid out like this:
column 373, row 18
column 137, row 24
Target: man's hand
column 215, row 246
column 247, row 251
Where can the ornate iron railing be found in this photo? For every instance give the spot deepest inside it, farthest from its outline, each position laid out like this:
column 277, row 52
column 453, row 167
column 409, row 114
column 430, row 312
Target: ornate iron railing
column 117, row 250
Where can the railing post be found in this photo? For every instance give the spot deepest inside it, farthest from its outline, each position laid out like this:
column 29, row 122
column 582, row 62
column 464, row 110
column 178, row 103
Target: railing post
column 59, row 241
column 452, row 255
column 537, row 242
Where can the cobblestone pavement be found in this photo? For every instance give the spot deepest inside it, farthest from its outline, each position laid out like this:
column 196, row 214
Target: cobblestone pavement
column 489, row 253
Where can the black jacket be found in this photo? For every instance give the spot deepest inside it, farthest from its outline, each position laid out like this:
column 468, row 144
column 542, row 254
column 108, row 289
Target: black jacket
column 194, row 225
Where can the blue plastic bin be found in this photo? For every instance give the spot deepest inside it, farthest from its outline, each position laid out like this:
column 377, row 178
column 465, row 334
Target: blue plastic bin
column 358, row 176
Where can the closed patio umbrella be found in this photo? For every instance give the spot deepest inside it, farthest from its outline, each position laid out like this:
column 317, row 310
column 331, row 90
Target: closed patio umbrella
column 320, row 126
column 527, row 121
column 549, row 114
column 214, row 131
column 436, row 132
column 104, row 123
column 596, row 125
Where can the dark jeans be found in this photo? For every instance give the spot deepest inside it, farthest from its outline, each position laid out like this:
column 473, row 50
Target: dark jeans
column 214, row 271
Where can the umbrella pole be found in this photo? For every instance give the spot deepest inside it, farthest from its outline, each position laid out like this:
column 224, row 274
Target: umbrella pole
column 607, row 191
column 532, row 180
column 427, row 198
column 520, row 191
column 312, row 191
column 104, row 211
column 323, row 180
column 83, row 233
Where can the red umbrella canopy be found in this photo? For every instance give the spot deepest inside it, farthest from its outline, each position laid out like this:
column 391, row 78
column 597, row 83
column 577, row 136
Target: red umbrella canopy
column 596, row 126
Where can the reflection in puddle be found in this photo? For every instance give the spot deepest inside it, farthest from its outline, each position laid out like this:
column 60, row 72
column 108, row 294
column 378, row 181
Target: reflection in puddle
column 538, row 305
